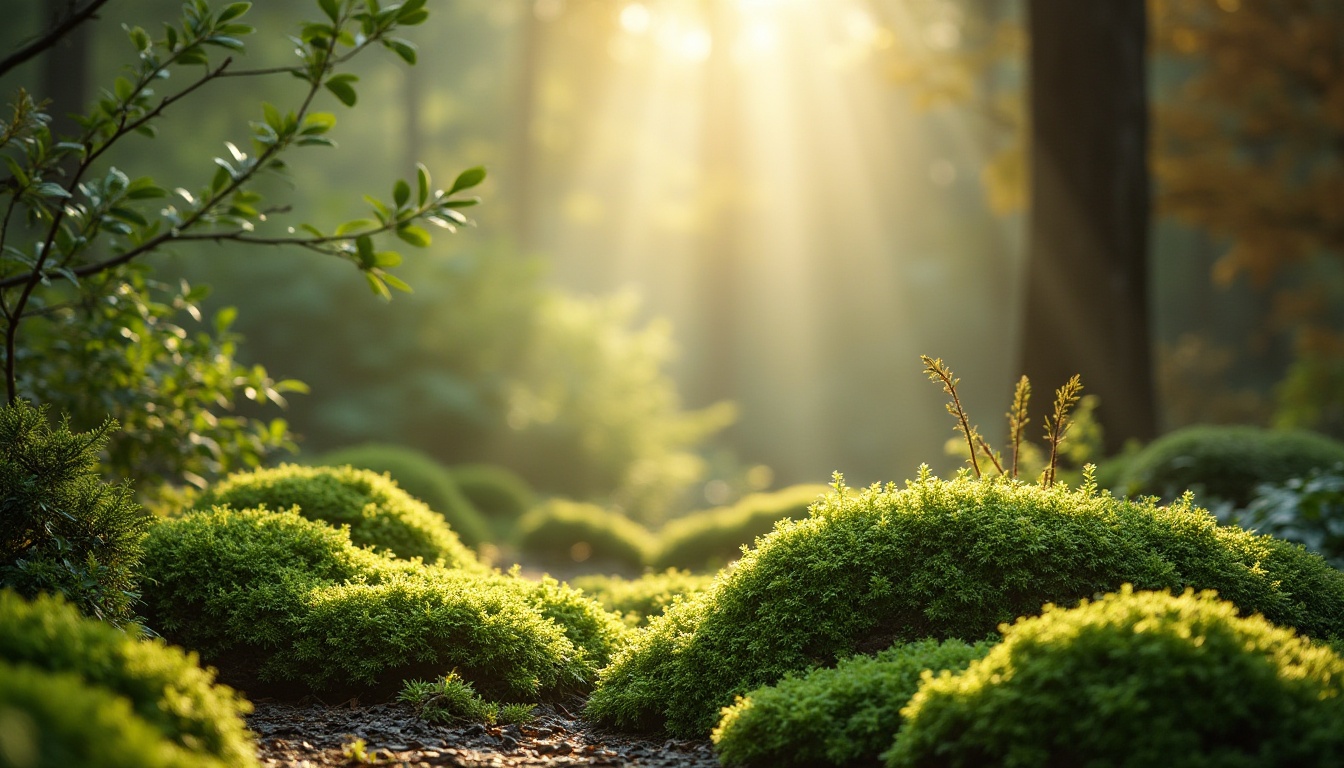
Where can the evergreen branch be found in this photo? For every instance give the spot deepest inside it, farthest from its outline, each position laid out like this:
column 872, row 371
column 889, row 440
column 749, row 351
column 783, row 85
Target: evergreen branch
column 937, row 372
column 1057, row 425
column 1017, row 418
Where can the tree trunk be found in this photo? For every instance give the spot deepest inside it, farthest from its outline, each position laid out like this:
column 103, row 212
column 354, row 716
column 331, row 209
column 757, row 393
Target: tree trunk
column 1087, row 278
column 65, row 71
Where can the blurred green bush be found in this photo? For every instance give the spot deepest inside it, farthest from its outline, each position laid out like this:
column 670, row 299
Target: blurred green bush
column 1225, row 462
column 75, row 691
column 379, row 513
column 1134, row 679
column 709, row 540
column 274, row 599
column 942, row 559
column 498, row 493
column 640, row 599
column 420, row 475
column 63, row 529
column 844, row 715
column 1306, row 510
column 562, row 532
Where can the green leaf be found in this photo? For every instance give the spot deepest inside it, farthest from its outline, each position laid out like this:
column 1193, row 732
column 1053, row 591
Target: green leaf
column 403, row 48
column 123, row 88
column 224, row 41
column 144, row 188
column 468, row 179
column 422, row 177
column 401, row 192
column 340, row 86
column 273, row 118
column 364, row 247
column 355, row 225
column 139, row 37
column 332, row 8
column 130, row 215
column 377, row 285
column 50, row 189
column 233, row 11
column 413, row 18
column 318, row 123
column 224, row 318
column 414, row 235
column 386, row 259
column 383, row 212
column 396, row 282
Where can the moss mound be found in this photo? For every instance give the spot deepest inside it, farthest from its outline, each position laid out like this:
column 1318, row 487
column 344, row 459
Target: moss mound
column 1134, row 679
column 843, row 715
column 1225, row 462
column 378, row 512
column 561, row 531
column 275, row 599
column 76, row 678
column 942, row 559
column 709, row 540
column 497, row 493
column 639, row 600
column 424, row 478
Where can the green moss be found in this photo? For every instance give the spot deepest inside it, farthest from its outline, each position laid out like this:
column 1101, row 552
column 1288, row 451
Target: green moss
column 942, row 559
column 843, row 715
column 561, row 531
column 63, row 529
column 497, row 492
column 1225, row 462
column 165, row 688
column 709, row 540
column 424, row 478
column 1134, row 679
column 275, row 598
column 378, row 512
column 639, row 600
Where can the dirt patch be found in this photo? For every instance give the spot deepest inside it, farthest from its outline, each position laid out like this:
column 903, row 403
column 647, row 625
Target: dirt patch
column 302, row 735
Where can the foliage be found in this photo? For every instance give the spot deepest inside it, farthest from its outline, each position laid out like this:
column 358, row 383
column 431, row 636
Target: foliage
column 62, row 529
column 451, row 699
column 1306, row 510
column 1226, row 462
column 74, row 224
column 843, row 715
column 422, row 477
column 1081, row 687
column 497, row 493
column 165, row 688
column 379, row 513
column 942, row 559
column 709, row 540
column 273, row 598
column 562, row 531
column 639, row 600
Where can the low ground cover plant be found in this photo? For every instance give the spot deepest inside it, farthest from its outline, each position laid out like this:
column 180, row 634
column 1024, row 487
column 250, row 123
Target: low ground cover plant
column 63, row 529
column 1225, row 462
column 640, row 599
column 709, row 540
column 842, row 715
column 282, row 603
column 941, row 559
column 420, row 475
column 1307, row 510
column 379, row 513
column 565, row 532
column 1135, row 678
column 76, row 678
column 498, row 493
column 451, row 699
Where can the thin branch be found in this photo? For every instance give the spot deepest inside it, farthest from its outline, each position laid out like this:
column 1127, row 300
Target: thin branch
column 938, row 372
column 51, row 37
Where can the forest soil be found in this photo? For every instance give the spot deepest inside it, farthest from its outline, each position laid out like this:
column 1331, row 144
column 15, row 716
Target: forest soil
column 316, row 734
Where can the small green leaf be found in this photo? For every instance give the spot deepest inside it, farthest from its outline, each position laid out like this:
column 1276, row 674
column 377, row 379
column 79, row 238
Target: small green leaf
column 224, row 41
column 318, row 123
column 386, row 259
column 381, row 210
column 401, row 192
column 273, row 118
column 364, row 247
column 129, row 215
column 377, row 285
column 340, row 86
column 468, row 179
column 123, row 88
column 396, row 282
column 422, row 177
column 403, row 48
column 233, row 11
column 144, row 188
column 414, row 235
column 355, row 225
column 332, row 8
column 224, row 318
column 50, row 189
column 413, row 18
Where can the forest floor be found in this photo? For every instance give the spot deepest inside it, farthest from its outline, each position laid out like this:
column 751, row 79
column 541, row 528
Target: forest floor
column 311, row 735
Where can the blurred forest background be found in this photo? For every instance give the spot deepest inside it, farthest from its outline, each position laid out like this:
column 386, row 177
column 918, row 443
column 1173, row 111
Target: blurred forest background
column 716, row 236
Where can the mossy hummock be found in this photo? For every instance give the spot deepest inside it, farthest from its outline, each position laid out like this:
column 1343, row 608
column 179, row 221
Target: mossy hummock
column 379, row 513
column 941, row 559
column 709, row 540
column 1134, row 679
column 562, row 531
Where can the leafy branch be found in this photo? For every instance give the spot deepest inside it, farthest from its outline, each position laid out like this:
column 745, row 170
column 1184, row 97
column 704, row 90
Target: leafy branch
column 1057, row 424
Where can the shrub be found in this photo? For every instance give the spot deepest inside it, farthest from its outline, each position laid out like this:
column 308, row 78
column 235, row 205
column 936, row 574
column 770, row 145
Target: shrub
column 843, row 715
column 497, row 493
column 378, row 512
column 942, row 559
column 451, row 699
column 561, row 531
column 639, row 600
column 275, row 598
column 711, row 539
column 62, row 528
column 1226, row 462
column 424, row 478
column 1306, row 510
column 165, row 688
column 1134, row 679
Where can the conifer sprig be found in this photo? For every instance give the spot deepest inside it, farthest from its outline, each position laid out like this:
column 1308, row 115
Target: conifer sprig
column 1017, row 418
column 1057, row 425
column 939, row 373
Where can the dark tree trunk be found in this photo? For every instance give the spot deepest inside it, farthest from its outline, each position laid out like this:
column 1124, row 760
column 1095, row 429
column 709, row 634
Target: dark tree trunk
column 1087, row 278
column 65, row 70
